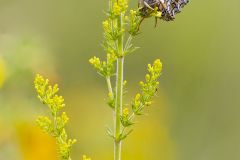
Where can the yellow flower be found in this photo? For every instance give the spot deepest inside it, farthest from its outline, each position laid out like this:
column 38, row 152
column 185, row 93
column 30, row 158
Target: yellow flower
column 120, row 7
column 125, row 112
column 106, row 25
column 96, row 63
column 137, row 96
column 116, row 9
column 141, row 83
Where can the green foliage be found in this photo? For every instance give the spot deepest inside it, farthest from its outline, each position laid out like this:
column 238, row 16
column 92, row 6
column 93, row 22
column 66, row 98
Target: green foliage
column 54, row 125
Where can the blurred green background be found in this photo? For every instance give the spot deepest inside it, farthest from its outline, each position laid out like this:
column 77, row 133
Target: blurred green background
column 195, row 116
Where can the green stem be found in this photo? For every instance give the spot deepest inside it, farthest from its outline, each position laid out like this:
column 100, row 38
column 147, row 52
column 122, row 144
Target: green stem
column 118, row 109
column 119, row 93
column 120, row 39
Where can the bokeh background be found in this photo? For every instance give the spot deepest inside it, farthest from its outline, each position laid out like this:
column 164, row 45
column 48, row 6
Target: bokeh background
column 195, row 116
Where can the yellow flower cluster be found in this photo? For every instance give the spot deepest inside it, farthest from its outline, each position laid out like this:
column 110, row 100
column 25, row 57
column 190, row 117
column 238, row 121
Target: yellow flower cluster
column 137, row 100
column 55, row 127
column 125, row 118
column 47, row 94
column 106, row 26
column 148, row 88
column 156, row 68
column 125, row 121
column 134, row 22
column 97, row 64
column 64, row 146
column 120, row 7
column 104, row 68
column 125, row 112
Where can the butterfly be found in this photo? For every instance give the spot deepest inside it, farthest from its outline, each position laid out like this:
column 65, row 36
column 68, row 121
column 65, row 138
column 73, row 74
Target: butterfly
column 168, row 8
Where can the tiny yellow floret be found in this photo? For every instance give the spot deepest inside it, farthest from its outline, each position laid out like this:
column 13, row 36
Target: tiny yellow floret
column 125, row 112
column 138, row 96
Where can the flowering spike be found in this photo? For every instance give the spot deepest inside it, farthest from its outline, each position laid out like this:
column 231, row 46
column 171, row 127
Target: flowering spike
column 148, row 88
column 55, row 127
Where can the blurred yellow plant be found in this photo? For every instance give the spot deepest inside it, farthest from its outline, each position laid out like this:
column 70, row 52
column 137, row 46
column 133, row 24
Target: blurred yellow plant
column 35, row 145
column 2, row 72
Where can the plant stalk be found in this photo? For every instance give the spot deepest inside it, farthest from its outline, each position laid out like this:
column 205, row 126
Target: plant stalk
column 118, row 109
column 119, row 93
